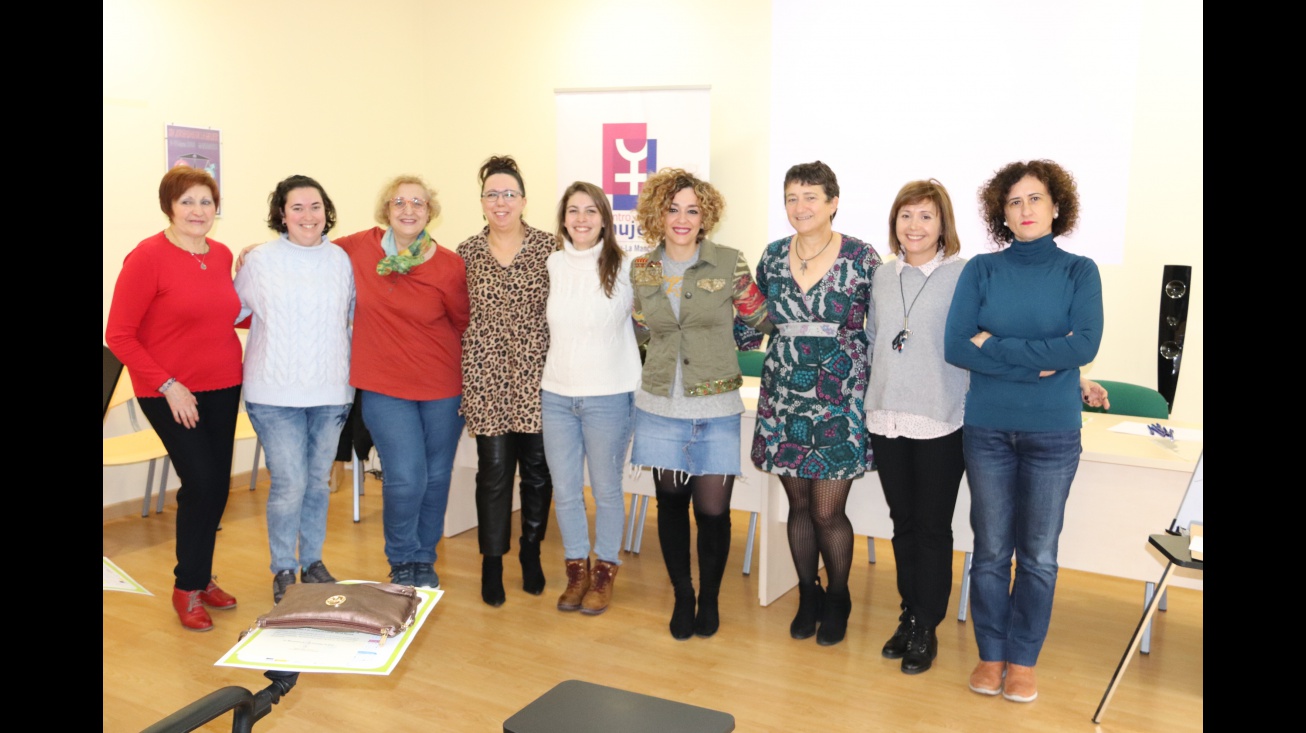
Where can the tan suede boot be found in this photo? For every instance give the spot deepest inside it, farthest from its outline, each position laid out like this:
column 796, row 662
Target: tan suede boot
column 337, row 478
column 600, row 593
column 578, row 582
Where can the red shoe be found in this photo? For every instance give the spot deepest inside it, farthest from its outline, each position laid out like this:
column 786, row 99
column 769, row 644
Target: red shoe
column 215, row 597
column 190, row 609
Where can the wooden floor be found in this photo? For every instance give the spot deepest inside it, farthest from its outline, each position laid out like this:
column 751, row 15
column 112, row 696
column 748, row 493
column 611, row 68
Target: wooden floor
column 473, row 666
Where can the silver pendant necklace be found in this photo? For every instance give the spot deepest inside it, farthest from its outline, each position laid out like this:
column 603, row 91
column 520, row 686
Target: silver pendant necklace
column 802, row 267
column 198, row 257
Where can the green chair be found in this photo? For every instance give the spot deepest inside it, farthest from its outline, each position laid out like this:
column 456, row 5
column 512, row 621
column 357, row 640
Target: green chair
column 1132, row 399
column 750, row 362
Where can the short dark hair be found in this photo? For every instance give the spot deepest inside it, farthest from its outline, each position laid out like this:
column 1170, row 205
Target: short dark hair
column 934, row 192
column 181, row 178
column 277, row 202
column 815, row 173
column 504, row 164
column 1061, row 187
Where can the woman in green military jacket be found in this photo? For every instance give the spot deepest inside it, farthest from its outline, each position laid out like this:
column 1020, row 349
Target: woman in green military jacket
column 688, row 291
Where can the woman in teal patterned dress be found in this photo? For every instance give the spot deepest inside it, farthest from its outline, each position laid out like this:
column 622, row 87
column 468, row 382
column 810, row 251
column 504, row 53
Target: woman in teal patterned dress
column 811, row 427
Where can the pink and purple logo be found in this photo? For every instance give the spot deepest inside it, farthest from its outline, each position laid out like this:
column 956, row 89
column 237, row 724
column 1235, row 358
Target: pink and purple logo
column 629, row 156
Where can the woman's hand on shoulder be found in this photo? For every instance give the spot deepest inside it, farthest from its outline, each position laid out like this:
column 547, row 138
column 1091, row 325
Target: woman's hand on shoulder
column 240, row 258
column 184, row 406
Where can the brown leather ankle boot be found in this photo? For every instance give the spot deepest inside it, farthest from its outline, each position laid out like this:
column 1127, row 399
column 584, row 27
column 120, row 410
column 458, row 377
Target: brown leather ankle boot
column 599, row 596
column 578, row 581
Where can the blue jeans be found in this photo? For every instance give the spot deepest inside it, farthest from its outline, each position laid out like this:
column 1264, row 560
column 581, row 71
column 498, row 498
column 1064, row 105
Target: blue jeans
column 1019, row 483
column 416, row 441
column 594, row 431
column 300, row 445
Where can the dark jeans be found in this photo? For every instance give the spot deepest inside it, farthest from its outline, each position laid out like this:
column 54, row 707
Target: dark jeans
column 920, row 479
column 497, row 460
column 202, row 457
column 1019, row 484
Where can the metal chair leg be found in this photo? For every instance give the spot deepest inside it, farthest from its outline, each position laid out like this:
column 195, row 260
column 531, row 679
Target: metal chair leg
column 870, row 549
column 358, row 484
column 630, row 524
column 149, row 490
column 253, row 472
column 963, row 601
column 163, row 485
column 748, row 549
column 643, row 515
column 1149, row 589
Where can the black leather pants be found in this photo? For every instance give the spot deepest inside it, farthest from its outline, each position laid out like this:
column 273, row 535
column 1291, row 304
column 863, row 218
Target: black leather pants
column 499, row 457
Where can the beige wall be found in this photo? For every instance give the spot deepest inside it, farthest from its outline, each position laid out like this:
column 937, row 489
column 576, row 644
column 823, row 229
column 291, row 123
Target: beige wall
column 352, row 93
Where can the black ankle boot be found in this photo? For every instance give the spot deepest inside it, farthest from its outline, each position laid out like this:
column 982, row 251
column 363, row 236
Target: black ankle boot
column 834, row 618
column 492, row 580
column 682, row 617
column 532, row 575
column 811, row 601
column 896, row 646
column 922, row 648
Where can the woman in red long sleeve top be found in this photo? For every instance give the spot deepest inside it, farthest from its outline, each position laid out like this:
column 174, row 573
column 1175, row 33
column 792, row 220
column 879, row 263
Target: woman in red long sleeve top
column 406, row 359
column 171, row 324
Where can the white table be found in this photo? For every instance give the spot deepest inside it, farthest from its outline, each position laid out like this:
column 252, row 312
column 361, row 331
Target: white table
column 1127, row 487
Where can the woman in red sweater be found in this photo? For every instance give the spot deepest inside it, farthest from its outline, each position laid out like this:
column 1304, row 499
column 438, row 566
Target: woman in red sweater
column 406, row 360
column 171, row 324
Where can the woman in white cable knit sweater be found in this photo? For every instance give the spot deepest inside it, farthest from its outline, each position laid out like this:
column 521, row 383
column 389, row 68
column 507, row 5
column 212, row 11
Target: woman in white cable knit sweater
column 587, row 391
column 299, row 290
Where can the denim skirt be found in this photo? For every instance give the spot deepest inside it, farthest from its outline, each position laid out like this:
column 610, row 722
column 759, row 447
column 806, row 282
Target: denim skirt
column 696, row 446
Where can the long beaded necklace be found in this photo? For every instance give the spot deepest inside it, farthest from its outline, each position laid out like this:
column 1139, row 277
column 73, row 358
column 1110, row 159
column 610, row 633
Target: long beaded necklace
column 900, row 340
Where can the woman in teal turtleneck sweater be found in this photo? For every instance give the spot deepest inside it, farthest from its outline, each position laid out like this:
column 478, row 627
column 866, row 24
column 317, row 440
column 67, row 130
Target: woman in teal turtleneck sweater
column 1023, row 321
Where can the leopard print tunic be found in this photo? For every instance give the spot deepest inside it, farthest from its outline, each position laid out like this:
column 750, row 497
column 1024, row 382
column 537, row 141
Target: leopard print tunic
column 508, row 337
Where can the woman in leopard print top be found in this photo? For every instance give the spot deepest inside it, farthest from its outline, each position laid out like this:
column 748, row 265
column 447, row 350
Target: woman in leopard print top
column 503, row 358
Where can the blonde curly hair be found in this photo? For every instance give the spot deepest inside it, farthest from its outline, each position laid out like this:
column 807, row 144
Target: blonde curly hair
column 655, row 201
column 382, row 212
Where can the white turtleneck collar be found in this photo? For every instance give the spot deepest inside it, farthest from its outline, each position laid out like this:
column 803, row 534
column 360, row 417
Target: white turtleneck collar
column 583, row 258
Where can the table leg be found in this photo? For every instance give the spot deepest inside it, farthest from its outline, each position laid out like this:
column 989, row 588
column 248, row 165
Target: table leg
column 1134, row 642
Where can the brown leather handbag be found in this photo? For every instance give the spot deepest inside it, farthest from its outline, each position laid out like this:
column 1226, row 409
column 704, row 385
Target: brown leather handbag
column 372, row 608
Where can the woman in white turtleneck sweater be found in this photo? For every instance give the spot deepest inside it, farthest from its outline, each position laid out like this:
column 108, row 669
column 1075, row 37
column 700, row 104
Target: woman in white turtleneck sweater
column 587, row 391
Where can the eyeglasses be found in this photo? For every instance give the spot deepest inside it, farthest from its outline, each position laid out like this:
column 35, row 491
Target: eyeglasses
column 400, row 202
column 508, row 196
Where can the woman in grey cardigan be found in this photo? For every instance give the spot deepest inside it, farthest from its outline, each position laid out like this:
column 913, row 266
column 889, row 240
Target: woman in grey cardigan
column 914, row 410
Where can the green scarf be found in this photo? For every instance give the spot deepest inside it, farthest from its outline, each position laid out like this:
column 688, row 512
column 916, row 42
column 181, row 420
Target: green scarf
column 401, row 262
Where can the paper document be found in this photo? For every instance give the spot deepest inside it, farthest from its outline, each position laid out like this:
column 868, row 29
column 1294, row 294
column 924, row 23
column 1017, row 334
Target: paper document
column 116, row 579
column 1138, row 428
column 339, row 652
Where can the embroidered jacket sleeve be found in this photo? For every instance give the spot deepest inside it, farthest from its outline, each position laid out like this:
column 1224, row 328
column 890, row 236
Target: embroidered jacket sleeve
column 751, row 320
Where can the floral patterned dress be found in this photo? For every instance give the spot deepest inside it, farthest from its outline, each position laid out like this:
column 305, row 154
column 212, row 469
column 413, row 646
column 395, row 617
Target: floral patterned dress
column 810, row 418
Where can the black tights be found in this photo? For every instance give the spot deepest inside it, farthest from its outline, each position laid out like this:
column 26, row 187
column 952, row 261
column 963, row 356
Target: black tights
column 818, row 523
column 711, row 499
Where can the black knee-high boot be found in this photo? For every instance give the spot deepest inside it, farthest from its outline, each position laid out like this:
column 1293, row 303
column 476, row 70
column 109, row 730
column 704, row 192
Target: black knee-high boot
column 536, row 494
column 713, row 551
column 673, row 534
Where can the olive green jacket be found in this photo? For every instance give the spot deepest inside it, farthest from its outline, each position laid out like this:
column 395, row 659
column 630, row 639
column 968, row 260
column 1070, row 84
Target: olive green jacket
column 703, row 337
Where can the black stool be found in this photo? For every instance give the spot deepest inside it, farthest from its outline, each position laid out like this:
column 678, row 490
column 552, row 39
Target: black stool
column 581, row 707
